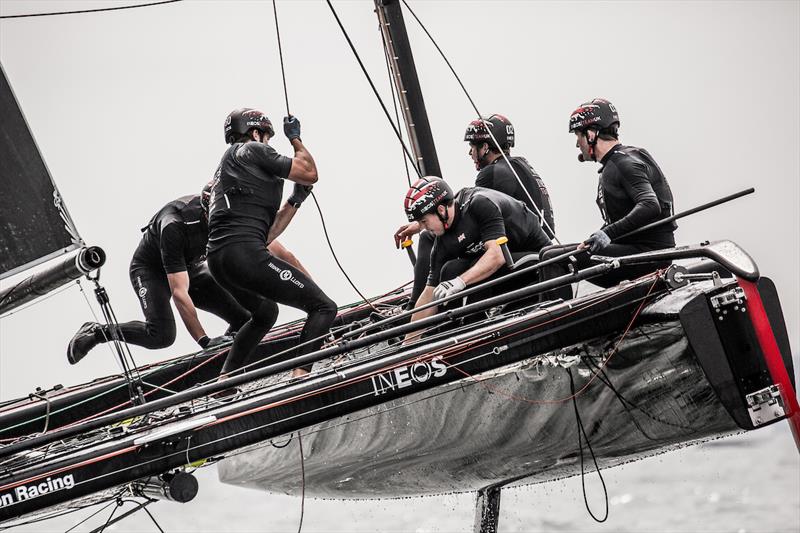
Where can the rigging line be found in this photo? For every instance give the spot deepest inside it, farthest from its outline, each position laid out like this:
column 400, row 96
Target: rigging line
column 374, row 90
column 394, row 96
column 539, row 212
column 119, row 8
column 153, row 518
column 35, row 302
column 119, row 503
column 280, row 54
column 303, row 481
column 327, row 238
column 580, row 448
column 91, row 515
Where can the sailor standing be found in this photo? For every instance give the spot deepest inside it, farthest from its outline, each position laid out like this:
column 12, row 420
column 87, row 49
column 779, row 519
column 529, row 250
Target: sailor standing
column 169, row 263
column 632, row 192
column 493, row 173
column 245, row 216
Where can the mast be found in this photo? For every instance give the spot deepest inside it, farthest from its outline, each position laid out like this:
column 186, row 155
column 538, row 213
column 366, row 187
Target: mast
column 404, row 77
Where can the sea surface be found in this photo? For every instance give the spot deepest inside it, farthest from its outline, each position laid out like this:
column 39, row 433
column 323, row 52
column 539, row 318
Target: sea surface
column 744, row 483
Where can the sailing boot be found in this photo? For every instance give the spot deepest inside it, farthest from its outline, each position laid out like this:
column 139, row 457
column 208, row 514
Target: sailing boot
column 84, row 340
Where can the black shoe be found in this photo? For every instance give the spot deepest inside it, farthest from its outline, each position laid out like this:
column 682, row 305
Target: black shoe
column 82, row 342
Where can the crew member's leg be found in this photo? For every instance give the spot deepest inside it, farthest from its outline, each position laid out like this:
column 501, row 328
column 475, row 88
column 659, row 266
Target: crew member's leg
column 249, row 270
column 209, row 295
column 158, row 329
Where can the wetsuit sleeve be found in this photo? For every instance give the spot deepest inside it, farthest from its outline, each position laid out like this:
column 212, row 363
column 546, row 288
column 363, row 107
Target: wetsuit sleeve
column 633, row 178
column 437, row 262
column 266, row 158
column 173, row 242
column 488, row 218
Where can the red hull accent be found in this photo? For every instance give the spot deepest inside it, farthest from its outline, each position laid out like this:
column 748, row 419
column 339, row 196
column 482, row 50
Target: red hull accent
column 772, row 355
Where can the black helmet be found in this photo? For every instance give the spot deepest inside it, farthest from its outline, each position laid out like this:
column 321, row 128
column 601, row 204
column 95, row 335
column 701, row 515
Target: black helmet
column 244, row 119
column 425, row 195
column 599, row 114
column 501, row 127
column 205, row 196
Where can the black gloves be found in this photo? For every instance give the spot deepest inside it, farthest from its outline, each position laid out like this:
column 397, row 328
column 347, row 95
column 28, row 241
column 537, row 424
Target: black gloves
column 291, row 127
column 299, row 194
column 206, row 343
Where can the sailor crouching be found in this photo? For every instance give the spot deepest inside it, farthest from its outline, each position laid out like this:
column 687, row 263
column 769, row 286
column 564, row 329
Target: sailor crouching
column 467, row 226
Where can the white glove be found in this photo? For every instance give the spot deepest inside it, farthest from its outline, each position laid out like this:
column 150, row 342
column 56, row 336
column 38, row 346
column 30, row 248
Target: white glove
column 449, row 288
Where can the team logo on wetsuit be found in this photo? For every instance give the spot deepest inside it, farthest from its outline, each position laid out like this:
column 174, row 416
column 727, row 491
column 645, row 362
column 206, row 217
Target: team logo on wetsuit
column 142, row 292
column 286, row 274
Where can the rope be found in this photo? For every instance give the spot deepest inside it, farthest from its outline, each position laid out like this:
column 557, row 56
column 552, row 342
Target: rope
column 52, row 13
column 280, row 54
column 303, row 483
column 335, row 258
column 35, row 302
column 581, row 430
column 489, row 130
column 374, row 90
column 321, row 217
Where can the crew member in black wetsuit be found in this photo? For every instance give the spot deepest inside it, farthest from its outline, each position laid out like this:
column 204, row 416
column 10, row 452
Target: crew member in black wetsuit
column 169, row 262
column 493, row 173
column 245, row 215
column 467, row 226
column 632, row 192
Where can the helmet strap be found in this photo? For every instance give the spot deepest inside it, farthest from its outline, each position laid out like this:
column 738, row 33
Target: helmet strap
column 442, row 218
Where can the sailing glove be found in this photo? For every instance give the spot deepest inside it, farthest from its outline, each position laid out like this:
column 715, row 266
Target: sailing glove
column 449, row 288
column 299, row 194
column 291, row 127
column 597, row 241
column 206, row 343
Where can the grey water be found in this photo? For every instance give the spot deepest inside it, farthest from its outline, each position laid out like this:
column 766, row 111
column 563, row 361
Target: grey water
column 745, row 483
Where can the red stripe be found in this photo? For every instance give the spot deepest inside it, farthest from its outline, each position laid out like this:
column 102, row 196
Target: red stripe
column 772, row 355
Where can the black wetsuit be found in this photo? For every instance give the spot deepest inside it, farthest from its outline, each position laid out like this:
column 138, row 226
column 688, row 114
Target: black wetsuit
column 632, row 192
column 496, row 176
column 484, row 215
column 244, row 202
column 174, row 241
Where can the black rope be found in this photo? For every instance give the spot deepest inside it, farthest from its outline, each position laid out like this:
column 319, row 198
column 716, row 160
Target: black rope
column 280, row 54
column 153, row 518
column 52, row 13
column 91, row 516
column 580, row 449
column 281, row 446
column 333, row 253
column 303, row 483
column 119, row 504
column 374, row 90
column 538, row 211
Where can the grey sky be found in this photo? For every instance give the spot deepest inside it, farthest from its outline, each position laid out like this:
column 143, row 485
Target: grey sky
column 127, row 108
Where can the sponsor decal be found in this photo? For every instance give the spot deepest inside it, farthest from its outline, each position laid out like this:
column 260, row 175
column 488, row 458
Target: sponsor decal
column 405, row 376
column 142, row 292
column 34, row 490
column 461, row 237
column 285, row 274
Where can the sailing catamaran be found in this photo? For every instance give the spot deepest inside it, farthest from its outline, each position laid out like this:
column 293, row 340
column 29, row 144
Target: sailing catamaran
column 489, row 397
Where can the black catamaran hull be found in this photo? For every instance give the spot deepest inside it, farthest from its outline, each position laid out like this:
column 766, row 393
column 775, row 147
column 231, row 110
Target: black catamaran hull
column 587, row 326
